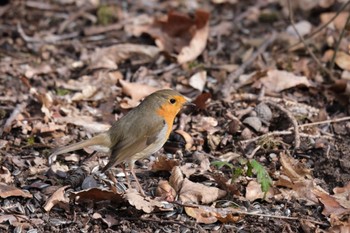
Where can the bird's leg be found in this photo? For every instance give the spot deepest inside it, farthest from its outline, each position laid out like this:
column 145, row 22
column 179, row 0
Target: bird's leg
column 126, row 175
column 131, row 165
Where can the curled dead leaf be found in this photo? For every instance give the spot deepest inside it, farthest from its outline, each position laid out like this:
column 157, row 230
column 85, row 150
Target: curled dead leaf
column 97, row 194
column 109, row 57
column 180, row 34
column 56, row 198
column 145, row 204
column 136, row 91
column 254, row 192
column 11, row 191
column 343, row 60
column 164, row 164
column 199, row 193
column 188, row 138
column 279, row 80
column 165, row 191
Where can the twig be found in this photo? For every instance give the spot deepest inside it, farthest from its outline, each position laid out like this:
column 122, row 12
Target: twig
column 288, row 132
column 73, row 17
column 226, row 87
column 280, row 133
column 165, row 69
column 325, row 122
column 288, row 103
column 319, row 28
column 7, row 127
column 336, row 49
column 291, row 18
column 292, row 119
column 48, row 39
column 251, row 155
column 162, row 221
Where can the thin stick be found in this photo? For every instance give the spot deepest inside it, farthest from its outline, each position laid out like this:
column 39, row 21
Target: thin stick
column 336, row 49
column 234, row 75
column 319, row 28
column 347, row 118
column 293, row 121
column 291, row 18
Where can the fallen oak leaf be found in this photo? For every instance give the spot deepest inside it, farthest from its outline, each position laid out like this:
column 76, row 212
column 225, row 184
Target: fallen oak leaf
column 109, row 57
column 136, row 91
column 56, row 198
column 180, row 35
column 96, row 194
column 331, row 205
column 191, row 192
column 145, row 204
column 164, row 164
column 279, row 80
column 165, row 191
column 11, row 191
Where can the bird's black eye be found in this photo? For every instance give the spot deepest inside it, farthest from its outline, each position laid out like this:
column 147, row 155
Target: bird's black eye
column 172, row 101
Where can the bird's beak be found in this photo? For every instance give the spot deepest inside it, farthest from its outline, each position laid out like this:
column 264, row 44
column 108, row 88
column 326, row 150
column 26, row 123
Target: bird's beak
column 189, row 104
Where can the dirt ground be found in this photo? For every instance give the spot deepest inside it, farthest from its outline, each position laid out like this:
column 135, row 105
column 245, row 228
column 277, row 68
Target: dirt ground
column 264, row 149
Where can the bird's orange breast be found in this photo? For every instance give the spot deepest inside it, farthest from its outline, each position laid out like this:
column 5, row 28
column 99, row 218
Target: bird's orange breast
column 167, row 113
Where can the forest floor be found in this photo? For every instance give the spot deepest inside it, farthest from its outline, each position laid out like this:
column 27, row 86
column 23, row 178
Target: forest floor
column 265, row 149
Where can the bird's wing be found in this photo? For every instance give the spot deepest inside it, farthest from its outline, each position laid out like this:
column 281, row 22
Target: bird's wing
column 132, row 144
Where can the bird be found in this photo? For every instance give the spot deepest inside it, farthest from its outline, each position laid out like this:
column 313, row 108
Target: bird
column 138, row 134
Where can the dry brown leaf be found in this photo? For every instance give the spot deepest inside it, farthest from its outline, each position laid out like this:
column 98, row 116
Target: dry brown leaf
column 343, row 60
column 225, row 184
column 56, row 198
column 5, row 175
column 41, row 69
column 198, row 41
column 201, row 215
column 176, row 179
column 296, row 177
column 96, row 194
column 16, row 220
column 279, row 80
column 136, row 91
column 11, row 191
column 339, row 22
column 198, row 80
column 180, row 35
column 339, row 226
column 254, row 192
column 202, row 100
column 47, row 128
column 145, row 204
column 189, row 169
column 199, row 193
column 293, row 168
column 342, row 194
column 87, row 122
column 164, row 164
column 206, row 124
column 331, row 205
column 209, row 215
column 165, row 191
column 188, row 138
column 109, row 57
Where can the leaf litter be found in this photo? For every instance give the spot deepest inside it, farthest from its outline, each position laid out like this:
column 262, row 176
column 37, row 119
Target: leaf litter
column 70, row 77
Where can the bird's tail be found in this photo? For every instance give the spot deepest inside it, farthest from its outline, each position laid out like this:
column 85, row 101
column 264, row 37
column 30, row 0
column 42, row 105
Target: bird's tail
column 99, row 140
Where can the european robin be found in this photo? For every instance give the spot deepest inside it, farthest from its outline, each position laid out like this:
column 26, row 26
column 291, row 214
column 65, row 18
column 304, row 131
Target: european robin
column 138, row 134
